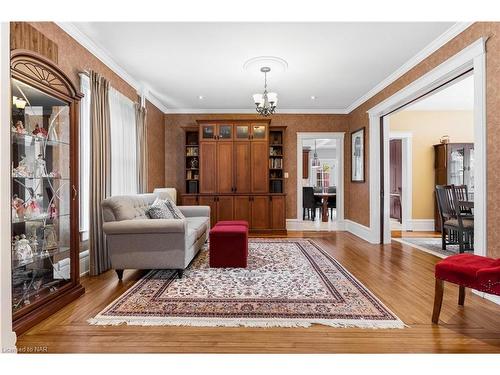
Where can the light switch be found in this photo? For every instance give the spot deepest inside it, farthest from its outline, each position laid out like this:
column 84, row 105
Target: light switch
column 286, row 174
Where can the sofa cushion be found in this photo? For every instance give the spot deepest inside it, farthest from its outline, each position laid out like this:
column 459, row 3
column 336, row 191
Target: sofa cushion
column 190, row 236
column 198, row 224
column 127, row 207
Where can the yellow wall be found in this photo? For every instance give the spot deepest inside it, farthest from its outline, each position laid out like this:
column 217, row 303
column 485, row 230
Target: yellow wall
column 427, row 127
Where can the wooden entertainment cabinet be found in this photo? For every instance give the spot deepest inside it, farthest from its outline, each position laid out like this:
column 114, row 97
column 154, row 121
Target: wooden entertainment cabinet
column 236, row 168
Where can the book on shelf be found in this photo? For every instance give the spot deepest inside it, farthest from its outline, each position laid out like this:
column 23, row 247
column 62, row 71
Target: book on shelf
column 275, row 163
column 191, row 175
column 192, row 151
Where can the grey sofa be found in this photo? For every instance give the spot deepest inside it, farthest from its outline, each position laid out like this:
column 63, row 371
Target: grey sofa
column 136, row 242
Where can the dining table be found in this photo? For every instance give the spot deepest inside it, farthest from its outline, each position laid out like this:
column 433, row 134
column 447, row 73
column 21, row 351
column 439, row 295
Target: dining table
column 324, row 204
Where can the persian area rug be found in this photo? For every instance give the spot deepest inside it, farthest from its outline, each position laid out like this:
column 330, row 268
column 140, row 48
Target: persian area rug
column 288, row 283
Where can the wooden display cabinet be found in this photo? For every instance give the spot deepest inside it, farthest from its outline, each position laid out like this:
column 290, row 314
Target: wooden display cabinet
column 44, row 185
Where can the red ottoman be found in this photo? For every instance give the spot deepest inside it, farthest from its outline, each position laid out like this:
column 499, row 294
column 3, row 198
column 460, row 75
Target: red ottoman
column 228, row 246
column 233, row 222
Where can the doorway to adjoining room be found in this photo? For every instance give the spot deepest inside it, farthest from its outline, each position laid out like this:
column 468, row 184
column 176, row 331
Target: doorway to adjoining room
column 431, row 145
column 319, row 181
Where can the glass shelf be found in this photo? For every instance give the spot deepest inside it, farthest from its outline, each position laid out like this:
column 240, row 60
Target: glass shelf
column 41, row 218
column 28, row 139
column 38, row 257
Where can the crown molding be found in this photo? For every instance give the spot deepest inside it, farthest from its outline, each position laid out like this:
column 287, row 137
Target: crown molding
column 102, row 55
column 98, row 52
column 432, row 47
column 325, row 111
column 153, row 98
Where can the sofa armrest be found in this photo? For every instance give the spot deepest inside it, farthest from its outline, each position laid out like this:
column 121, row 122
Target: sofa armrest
column 145, row 226
column 195, row 211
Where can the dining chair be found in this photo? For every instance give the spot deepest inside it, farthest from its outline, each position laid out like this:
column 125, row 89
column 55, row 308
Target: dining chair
column 332, row 201
column 463, row 195
column 456, row 227
column 309, row 204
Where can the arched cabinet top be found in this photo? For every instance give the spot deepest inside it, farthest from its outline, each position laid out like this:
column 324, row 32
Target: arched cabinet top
column 42, row 73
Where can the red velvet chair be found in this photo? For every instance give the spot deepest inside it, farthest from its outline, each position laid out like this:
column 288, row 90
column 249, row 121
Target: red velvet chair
column 467, row 271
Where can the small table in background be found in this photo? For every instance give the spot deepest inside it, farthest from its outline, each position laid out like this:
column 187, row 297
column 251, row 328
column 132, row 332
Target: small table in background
column 324, row 201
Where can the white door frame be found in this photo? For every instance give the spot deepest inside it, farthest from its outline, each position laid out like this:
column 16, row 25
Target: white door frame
column 471, row 57
column 339, row 137
column 7, row 338
column 407, row 176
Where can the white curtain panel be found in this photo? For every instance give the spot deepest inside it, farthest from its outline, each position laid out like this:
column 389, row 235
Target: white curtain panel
column 84, row 152
column 123, row 144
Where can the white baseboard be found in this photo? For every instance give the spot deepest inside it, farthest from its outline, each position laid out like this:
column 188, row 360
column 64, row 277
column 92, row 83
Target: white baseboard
column 489, row 297
column 421, row 225
column 84, row 262
column 306, row 225
column 361, row 231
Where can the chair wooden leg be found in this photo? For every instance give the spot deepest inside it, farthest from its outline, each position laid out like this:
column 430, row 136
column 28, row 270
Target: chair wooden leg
column 461, row 295
column 120, row 274
column 460, row 241
column 438, row 300
column 443, row 238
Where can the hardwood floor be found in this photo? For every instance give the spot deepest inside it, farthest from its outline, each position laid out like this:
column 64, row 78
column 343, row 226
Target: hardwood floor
column 402, row 277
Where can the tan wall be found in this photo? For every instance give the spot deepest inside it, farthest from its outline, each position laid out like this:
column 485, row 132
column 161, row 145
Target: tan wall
column 73, row 58
column 357, row 208
column 426, row 128
column 174, row 138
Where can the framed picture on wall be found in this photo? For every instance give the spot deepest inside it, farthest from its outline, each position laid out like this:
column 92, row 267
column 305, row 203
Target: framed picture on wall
column 358, row 155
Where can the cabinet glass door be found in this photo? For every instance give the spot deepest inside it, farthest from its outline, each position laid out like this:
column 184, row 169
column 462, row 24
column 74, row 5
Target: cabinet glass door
column 226, row 132
column 41, row 195
column 259, row 132
column 456, row 167
column 469, row 174
column 208, row 132
column 242, row 132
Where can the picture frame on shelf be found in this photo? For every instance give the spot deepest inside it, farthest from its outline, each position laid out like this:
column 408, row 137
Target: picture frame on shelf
column 358, row 155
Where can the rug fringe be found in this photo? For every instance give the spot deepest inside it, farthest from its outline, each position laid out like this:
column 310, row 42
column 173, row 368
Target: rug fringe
column 250, row 323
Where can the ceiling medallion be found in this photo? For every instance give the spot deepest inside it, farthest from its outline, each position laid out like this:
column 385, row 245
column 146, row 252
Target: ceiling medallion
column 265, row 103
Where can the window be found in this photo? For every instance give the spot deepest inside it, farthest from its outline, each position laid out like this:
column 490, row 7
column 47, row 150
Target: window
column 84, row 153
column 123, row 144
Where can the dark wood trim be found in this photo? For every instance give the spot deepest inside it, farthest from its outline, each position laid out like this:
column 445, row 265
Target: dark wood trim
column 364, row 155
column 34, row 317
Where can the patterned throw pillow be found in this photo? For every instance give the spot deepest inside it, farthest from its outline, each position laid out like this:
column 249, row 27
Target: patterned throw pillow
column 164, row 209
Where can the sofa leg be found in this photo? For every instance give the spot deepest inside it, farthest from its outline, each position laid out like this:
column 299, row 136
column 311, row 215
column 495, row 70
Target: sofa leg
column 461, row 295
column 438, row 300
column 180, row 273
column 120, row 274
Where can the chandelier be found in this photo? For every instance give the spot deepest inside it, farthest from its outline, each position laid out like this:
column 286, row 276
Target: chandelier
column 315, row 162
column 265, row 103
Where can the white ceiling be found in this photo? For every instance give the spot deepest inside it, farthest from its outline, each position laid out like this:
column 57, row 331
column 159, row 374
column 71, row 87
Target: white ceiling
column 456, row 97
column 336, row 62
